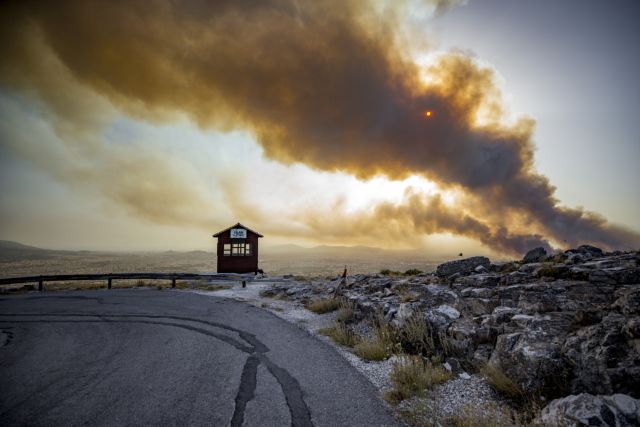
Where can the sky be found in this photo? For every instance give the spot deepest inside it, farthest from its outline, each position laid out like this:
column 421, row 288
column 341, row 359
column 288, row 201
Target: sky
column 486, row 126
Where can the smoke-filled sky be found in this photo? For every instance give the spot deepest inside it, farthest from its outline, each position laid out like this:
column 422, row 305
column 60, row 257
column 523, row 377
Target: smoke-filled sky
column 488, row 126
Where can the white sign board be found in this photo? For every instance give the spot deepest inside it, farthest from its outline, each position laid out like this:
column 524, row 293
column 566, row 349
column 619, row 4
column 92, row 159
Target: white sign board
column 238, row 233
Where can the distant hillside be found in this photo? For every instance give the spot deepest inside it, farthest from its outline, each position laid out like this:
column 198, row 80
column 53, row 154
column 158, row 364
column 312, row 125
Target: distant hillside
column 7, row 245
column 11, row 251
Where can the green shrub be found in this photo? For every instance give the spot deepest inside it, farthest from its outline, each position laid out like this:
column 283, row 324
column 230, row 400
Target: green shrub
column 413, row 272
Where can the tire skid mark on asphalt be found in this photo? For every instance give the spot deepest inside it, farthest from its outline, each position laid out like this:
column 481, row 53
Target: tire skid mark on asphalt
column 298, row 409
column 246, row 392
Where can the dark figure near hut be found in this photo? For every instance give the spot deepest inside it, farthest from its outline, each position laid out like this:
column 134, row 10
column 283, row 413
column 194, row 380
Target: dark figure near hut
column 237, row 250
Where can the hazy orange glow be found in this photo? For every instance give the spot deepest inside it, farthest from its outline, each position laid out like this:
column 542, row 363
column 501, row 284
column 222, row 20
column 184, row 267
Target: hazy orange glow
column 92, row 64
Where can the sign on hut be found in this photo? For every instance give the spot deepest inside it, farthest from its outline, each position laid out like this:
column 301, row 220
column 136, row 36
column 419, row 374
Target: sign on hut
column 237, row 249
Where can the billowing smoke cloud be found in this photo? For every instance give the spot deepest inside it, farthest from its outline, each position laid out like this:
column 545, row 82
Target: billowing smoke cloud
column 323, row 83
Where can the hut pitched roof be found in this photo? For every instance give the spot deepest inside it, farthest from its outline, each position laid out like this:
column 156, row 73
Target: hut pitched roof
column 238, row 225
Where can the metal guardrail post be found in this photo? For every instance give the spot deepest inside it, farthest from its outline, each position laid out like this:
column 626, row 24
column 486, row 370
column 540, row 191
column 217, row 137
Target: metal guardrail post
column 40, row 285
column 109, row 283
column 173, row 283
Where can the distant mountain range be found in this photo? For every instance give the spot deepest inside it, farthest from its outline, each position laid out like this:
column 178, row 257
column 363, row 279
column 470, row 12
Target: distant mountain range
column 13, row 250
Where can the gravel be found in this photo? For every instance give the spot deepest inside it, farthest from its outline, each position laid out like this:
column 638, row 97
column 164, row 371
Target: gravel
column 449, row 398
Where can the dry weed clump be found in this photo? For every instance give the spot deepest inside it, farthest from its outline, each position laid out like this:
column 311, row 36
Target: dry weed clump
column 371, row 350
column 491, row 415
column 347, row 311
column 502, row 383
column 419, row 413
column 342, row 334
column 412, row 376
column 321, row 306
column 415, row 336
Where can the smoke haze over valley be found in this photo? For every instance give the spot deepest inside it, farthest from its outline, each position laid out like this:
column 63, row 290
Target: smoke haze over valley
column 153, row 124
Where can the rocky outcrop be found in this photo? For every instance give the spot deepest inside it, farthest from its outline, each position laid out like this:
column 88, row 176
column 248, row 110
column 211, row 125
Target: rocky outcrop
column 462, row 266
column 617, row 410
column 535, row 255
column 568, row 324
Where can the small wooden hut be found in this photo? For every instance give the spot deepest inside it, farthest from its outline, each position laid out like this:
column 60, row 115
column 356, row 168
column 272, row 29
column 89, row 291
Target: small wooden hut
column 237, row 249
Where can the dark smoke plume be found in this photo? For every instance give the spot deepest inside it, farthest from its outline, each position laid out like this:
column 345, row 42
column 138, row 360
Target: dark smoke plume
column 325, row 83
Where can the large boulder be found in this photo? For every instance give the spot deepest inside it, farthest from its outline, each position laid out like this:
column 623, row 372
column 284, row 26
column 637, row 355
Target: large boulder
column 535, row 255
column 605, row 357
column 532, row 359
column 629, row 301
column 462, row 266
column 617, row 410
column 591, row 250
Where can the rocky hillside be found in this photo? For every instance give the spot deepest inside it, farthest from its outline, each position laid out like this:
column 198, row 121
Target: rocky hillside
column 556, row 325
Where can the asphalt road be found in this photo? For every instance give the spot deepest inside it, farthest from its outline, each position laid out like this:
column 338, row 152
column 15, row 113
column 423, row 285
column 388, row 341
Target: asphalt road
column 148, row 357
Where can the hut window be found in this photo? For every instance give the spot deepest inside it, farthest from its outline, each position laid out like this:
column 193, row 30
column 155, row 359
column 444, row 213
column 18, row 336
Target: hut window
column 240, row 249
column 227, row 249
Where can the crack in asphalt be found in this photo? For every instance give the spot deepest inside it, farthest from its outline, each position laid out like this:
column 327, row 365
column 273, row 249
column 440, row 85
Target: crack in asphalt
column 298, row 409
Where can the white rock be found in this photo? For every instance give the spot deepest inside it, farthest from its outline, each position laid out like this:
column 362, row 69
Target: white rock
column 448, row 311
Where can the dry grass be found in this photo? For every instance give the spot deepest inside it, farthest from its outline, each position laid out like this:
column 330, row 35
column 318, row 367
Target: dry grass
column 410, row 272
column 418, row 413
column 408, row 296
column 371, row 350
column 321, row 306
column 492, row 415
column 74, row 285
column 502, row 383
column 347, row 311
column 412, row 376
column 341, row 334
column 415, row 336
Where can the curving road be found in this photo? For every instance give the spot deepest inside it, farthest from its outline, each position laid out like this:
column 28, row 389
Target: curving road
column 148, row 357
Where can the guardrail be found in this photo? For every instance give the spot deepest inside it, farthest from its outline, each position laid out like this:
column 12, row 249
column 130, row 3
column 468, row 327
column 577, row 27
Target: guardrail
column 109, row 277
